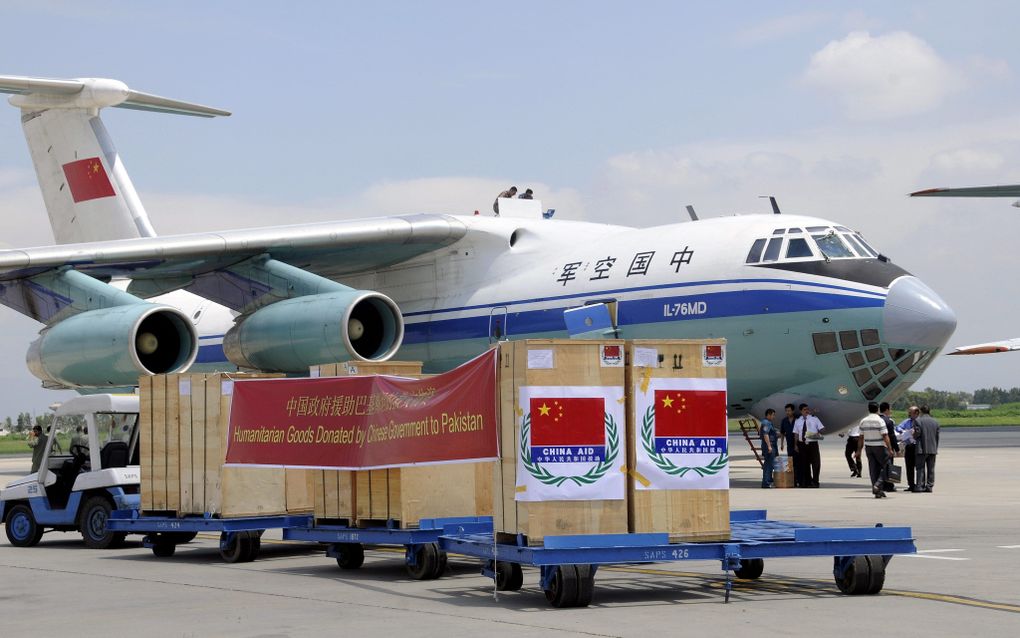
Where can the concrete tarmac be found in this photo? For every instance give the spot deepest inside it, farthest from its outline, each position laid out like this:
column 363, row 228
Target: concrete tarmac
column 962, row 581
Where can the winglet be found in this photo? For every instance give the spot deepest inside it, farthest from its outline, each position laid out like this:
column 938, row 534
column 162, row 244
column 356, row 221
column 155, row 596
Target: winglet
column 94, row 93
column 1008, row 345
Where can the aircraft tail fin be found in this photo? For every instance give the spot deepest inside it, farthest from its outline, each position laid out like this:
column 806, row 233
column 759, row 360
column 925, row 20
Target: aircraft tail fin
column 88, row 193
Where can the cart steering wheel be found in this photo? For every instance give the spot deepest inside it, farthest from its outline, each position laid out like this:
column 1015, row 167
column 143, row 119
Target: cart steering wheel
column 80, row 452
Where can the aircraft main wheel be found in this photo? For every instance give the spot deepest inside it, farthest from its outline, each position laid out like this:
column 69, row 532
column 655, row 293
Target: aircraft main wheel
column 350, row 555
column 856, row 578
column 241, row 547
column 509, row 576
column 750, row 568
column 562, row 590
column 92, row 524
column 22, row 529
column 428, row 564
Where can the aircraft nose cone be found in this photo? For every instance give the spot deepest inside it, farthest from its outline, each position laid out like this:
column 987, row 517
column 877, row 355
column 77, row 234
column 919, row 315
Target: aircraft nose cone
column 914, row 315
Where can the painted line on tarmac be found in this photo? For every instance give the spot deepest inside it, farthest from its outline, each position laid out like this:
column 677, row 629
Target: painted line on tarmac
column 1009, row 546
column 797, row 586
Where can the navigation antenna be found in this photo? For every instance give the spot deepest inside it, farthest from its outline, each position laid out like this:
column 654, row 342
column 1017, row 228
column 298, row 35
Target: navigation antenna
column 772, row 200
column 690, row 211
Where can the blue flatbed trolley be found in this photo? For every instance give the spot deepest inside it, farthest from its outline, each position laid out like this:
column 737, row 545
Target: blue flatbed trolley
column 568, row 563
column 240, row 538
column 423, row 557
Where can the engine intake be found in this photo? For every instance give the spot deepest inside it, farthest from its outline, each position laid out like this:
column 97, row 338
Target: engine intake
column 291, row 335
column 111, row 347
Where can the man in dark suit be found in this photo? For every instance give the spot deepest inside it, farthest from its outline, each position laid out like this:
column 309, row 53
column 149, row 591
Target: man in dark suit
column 926, row 440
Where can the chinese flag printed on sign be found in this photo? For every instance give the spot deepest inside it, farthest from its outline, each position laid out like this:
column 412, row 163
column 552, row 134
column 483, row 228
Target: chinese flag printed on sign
column 690, row 413
column 87, row 180
column 572, row 421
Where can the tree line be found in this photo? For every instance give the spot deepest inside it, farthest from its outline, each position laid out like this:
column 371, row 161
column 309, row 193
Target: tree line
column 945, row 400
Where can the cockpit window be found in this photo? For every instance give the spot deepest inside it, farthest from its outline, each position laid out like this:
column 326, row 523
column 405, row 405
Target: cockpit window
column 866, row 245
column 772, row 252
column 779, row 231
column 795, row 230
column 831, row 246
column 857, row 245
column 818, row 229
column 754, row 256
column 798, row 247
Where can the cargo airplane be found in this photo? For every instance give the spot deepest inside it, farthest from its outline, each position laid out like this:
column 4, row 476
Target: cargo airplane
column 811, row 311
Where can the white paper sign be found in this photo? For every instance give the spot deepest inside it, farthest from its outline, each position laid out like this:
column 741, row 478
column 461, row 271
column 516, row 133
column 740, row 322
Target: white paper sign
column 681, row 435
column 540, row 359
column 184, row 386
column 227, row 387
column 646, row 357
column 314, row 373
column 571, row 443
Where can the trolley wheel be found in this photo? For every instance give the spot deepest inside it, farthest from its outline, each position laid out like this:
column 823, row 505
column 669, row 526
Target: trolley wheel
column 585, row 585
column 427, row 564
column 441, row 562
column 509, row 576
column 242, row 547
column 856, row 577
column 92, row 524
column 163, row 548
column 350, row 555
column 22, row 528
column 181, row 538
column 876, row 574
column 562, row 590
column 750, row 568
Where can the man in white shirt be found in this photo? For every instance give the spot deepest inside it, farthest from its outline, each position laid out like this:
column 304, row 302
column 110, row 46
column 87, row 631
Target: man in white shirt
column 852, row 453
column 875, row 439
column 808, row 431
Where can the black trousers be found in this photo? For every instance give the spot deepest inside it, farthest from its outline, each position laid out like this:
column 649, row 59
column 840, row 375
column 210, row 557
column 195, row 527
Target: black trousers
column 909, row 458
column 799, row 465
column 878, row 464
column 813, row 463
column 851, row 450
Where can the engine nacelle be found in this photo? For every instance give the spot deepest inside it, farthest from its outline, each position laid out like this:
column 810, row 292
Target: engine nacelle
column 114, row 346
column 291, row 335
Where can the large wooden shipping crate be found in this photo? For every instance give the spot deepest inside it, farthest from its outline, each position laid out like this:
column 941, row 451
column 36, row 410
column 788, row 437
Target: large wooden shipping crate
column 406, row 494
column 183, row 423
column 685, row 514
column 572, row 363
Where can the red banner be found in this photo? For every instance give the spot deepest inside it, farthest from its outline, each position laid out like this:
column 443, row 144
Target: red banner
column 366, row 422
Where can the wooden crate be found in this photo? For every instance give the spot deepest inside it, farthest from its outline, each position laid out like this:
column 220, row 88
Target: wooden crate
column 683, row 514
column 784, row 479
column 405, row 495
column 184, row 421
column 575, row 363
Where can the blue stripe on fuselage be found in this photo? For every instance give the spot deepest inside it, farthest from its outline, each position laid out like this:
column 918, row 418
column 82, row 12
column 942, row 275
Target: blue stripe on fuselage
column 644, row 311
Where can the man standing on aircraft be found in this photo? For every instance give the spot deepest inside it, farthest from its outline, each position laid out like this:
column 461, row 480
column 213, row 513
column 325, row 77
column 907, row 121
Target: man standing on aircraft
column 885, row 411
column 507, row 194
column 789, row 440
column 926, row 437
column 875, row 439
column 808, row 431
column 905, row 432
column 528, row 194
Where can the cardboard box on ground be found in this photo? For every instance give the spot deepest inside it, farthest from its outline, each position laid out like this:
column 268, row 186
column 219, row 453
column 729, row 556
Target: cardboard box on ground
column 183, row 427
column 404, row 494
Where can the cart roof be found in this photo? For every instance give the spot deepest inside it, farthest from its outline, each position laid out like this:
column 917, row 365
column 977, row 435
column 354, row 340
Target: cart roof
column 99, row 403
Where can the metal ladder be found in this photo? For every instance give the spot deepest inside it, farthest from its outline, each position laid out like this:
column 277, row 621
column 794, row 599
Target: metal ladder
column 750, row 427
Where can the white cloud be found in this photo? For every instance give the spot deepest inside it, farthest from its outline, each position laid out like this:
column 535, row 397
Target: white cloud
column 884, row 76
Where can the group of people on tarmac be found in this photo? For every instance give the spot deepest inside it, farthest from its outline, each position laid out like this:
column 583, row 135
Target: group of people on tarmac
column 876, row 436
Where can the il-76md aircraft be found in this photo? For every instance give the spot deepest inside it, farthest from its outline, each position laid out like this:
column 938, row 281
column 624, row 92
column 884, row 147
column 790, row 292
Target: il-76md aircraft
column 810, row 310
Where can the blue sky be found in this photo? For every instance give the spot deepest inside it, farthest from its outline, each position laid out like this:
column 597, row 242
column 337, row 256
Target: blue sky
column 612, row 112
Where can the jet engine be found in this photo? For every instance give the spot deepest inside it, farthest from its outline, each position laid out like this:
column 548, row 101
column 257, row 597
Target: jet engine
column 291, row 335
column 113, row 346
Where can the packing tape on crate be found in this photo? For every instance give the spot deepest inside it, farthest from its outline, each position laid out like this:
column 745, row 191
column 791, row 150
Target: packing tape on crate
column 637, row 476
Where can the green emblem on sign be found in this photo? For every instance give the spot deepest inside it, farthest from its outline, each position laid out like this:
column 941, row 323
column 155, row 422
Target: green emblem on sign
column 663, row 463
column 597, row 471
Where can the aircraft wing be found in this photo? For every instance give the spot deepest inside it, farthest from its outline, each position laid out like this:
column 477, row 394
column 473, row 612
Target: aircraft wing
column 989, row 348
column 200, row 262
column 1009, row 190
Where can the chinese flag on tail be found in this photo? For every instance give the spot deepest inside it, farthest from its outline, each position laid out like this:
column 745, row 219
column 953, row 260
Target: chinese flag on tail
column 87, row 180
column 574, row 421
column 690, row 413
